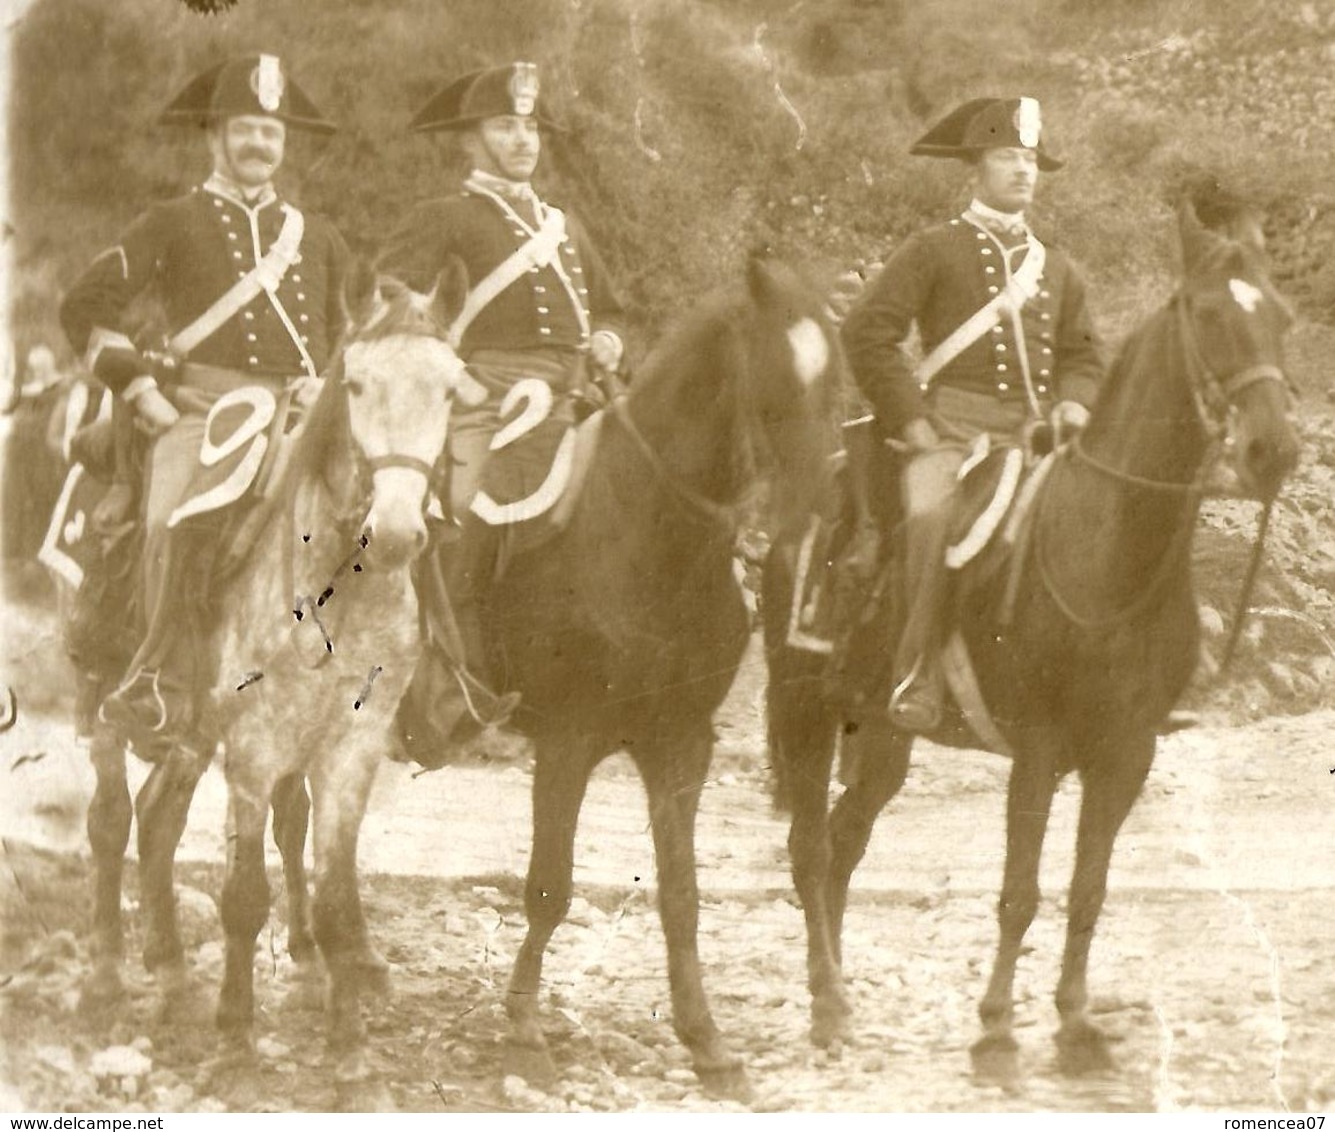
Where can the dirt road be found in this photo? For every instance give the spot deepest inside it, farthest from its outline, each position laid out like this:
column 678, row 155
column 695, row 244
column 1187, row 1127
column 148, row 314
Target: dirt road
column 1212, row 967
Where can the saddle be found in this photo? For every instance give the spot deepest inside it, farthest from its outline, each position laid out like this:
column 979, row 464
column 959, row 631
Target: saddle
column 851, row 614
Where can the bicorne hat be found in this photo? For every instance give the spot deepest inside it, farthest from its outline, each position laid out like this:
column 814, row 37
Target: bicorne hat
column 492, row 93
column 988, row 123
column 251, row 84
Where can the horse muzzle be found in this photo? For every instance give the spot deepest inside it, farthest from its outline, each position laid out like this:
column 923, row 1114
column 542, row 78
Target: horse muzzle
column 1263, row 444
column 395, row 527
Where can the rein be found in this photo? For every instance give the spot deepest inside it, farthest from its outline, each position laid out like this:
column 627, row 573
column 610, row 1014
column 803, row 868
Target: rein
column 717, row 514
column 1212, row 397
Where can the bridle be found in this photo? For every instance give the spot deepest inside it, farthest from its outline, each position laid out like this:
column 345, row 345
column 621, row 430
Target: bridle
column 365, row 467
column 1214, row 395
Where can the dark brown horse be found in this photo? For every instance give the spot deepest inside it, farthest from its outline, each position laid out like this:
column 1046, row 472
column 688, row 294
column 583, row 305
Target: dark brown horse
column 626, row 632
column 1102, row 639
column 304, row 698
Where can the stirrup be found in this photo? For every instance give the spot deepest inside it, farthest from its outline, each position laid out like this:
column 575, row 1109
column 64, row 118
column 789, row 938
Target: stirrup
column 921, row 715
column 487, row 708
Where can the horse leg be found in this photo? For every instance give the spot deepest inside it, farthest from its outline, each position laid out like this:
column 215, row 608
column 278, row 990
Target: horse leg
column 807, row 755
column 341, row 786
column 880, row 754
column 1108, row 791
column 291, row 820
column 1033, row 781
column 162, row 806
column 560, row 778
column 674, row 769
column 245, row 908
column 109, row 817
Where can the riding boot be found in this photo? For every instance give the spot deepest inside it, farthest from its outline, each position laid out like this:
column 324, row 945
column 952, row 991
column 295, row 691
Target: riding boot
column 450, row 697
column 155, row 707
column 919, row 690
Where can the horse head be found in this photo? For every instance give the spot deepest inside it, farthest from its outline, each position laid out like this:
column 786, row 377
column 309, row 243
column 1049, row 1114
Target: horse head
column 400, row 372
column 794, row 370
column 1234, row 321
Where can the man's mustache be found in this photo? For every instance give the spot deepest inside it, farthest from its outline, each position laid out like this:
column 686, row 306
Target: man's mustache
column 246, row 153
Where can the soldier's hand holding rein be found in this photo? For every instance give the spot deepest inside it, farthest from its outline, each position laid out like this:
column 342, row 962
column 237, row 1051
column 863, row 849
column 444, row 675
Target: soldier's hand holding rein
column 920, row 435
column 605, row 350
column 154, row 414
column 1068, row 418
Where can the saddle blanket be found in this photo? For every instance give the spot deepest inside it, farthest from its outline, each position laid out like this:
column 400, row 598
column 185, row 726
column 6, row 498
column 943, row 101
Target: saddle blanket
column 232, row 451
column 991, row 481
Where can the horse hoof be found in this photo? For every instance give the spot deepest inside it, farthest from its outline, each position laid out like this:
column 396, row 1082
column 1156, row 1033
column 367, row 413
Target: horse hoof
column 372, row 970
column 726, row 1082
column 532, row 1063
column 1082, row 1050
column 306, row 990
column 996, row 1057
column 363, row 1096
column 233, row 1073
column 179, row 1000
column 831, row 1022
column 103, row 990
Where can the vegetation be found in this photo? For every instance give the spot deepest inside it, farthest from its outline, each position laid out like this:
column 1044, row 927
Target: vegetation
column 701, row 129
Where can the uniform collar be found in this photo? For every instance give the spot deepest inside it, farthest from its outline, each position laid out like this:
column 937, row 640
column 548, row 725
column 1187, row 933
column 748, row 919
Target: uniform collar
column 1008, row 225
column 229, row 190
column 502, row 187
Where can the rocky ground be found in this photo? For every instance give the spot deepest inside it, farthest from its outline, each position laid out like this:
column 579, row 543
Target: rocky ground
column 1211, row 968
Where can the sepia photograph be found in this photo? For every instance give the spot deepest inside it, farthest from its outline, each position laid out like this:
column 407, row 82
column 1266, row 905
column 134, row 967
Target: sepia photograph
column 668, row 556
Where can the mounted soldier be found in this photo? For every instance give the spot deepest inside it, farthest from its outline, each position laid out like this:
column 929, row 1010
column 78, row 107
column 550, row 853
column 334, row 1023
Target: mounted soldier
column 1008, row 344
column 251, row 288
column 543, row 325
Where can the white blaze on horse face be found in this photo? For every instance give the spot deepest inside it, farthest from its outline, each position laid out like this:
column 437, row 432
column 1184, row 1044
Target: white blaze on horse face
column 811, row 351
column 1245, row 295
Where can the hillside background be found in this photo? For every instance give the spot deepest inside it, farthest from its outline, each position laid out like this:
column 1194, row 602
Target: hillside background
column 701, row 129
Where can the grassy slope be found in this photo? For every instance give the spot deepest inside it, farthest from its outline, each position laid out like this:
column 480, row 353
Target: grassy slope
column 706, row 128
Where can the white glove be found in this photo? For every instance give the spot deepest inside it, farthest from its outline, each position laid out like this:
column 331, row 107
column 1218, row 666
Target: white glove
column 154, row 413
column 1068, row 418
column 605, row 349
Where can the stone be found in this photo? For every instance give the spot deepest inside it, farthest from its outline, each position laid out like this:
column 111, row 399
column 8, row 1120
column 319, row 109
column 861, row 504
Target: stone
column 198, row 916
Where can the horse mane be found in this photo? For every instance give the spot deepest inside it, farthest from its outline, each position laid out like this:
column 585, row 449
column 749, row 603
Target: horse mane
column 698, row 332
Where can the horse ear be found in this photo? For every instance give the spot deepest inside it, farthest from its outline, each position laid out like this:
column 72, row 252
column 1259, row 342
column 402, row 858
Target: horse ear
column 1196, row 239
column 360, row 292
column 760, row 279
column 450, row 292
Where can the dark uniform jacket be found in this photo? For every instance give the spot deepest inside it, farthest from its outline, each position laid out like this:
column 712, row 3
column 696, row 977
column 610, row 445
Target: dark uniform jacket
column 190, row 251
column 937, row 279
column 537, row 310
